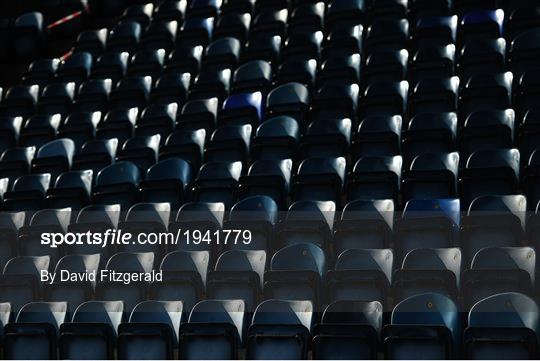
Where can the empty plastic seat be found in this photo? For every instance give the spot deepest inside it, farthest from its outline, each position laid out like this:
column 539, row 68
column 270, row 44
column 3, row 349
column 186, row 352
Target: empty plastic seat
column 320, row 179
column 27, row 193
column 39, row 129
column 428, row 270
column 10, row 128
column 147, row 63
column 184, row 277
column 91, row 42
column 217, row 182
column 497, row 270
column 199, row 114
column 392, row 8
column 19, row 101
column 482, row 56
column 503, row 326
column 160, row 34
column 524, row 52
column 430, row 62
column 10, row 223
column 152, row 330
column 257, row 215
column 348, row 330
column 29, row 36
column 92, row 331
column 362, row 275
column 95, row 218
column 34, row 332
column 482, row 23
column 40, row 72
column 434, row 31
column 295, row 273
column 54, row 157
column 196, row 31
column 519, row 19
column 141, row 151
column 493, row 221
column 238, row 274
column 271, row 20
column 426, row 324
column 364, row 224
column 143, row 219
column 187, row 145
column 75, row 69
column 131, row 293
column 79, row 128
column 229, row 143
column 289, row 99
column 20, row 281
column 96, row 155
column 16, row 162
column 205, row 217
column 486, row 92
column 252, row 76
column 386, row 66
column 375, row 178
column 489, row 172
column 242, row 109
column 140, row 13
column 307, row 16
column 43, row 222
column 336, row 101
column 434, row 95
column 93, row 96
column 344, row 13
column 185, row 60
column 386, row 34
column 427, row 223
column 378, row 136
column 157, row 119
column 280, row 329
column 222, row 54
column 270, row 178
column 343, row 39
column 167, row 181
column 171, row 87
column 118, row 123
column 530, row 180
column 429, row 133
column 296, row 69
column 124, row 37
column 432, row 176
column 211, row 84
column 276, row 138
column 73, row 292
column 214, row 330
column 131, row 92
column 117, row 184
column 111, row 65
column 385, row 98
column 307, row 222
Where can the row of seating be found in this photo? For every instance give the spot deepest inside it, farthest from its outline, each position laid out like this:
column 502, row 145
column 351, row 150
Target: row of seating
column 428, row 324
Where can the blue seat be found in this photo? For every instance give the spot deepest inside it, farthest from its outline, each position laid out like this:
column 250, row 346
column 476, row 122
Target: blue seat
column 426, row 325
column 54, row 157
column 233, row 24
column 217, row 182
column 326, row 138
column 124, row 37
column 185, row 144
column 434, row 96
column 152, row 331
column 40, row 72
column 240, row 109
column 238, row 274
column 147, row 62
column 481, row 24
column 185, row 59
column 252, row 76
column 295, row 273
column 73, row 292
column 118, row 123
column 427, row 223
column 27, row 193
column 184, row 278
column 281, row 330
column 199, row 114
column 348, row 330
column 92, row 331
column 76, row 68
column 385, row 99
column 157, row 119
column 364, row 224
column 20, row 100
column 111, row 65
column 214, row 330
column 321, row 179
column 432, row 62
column 276, row 138
column 229, row 143
column 95, row 155
column 375, row 178
column 497, row 270
column 428, row 270
column 378, row 136
column 141, row 151
column 211, row 84
column 434, row 31
column 171, row 87
column 131, row 92
column 117, row 184
column 16, row 162
column 482, row 56
column 56, row 98
column 291, row 99
column 485, row 92
column 222, row 53
column 79, row 127
column 503, row 326
column 361, row 275
column 39, row 130
column 34, row 332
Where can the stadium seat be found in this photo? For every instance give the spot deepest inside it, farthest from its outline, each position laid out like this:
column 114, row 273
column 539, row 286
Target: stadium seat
column 348, row 330
column 40, row 72
column 124, row 37
column 54, row 157
column 291, row 99
column 185, row 144
column 320, row 179
column 434, row 96
column 170, row 88
column 79, row 127
column 252, row 76
column 10, row 223
column 433, row 31
column 147, row 63
column 19, row 101
column 16, row 162
column 426, row 324
column 185, row 60
column 242, row 109
column 39, row 130
column 326, row 138
column 229, row 143
column 27, row 193
column 385, row 99
column 157, row 119
column 111, row 65
column 92, row 330
column 214, row 330
column 503, row 326
column 141, row 151
column 29, row 36
column 152, row 331
column 375, row 178
column 91, row 42
column 438, row 62
column 75, row 69
column 280, row 329
column 199, row 114
column 482, row 56
column 34, row 332
column 276, row 138
column 217, row 182
column 222, row 53
column 95, row 155
column 131, row 92
column 362, row 275
column 378, row 136
column 93, row 96
column 117, row 184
